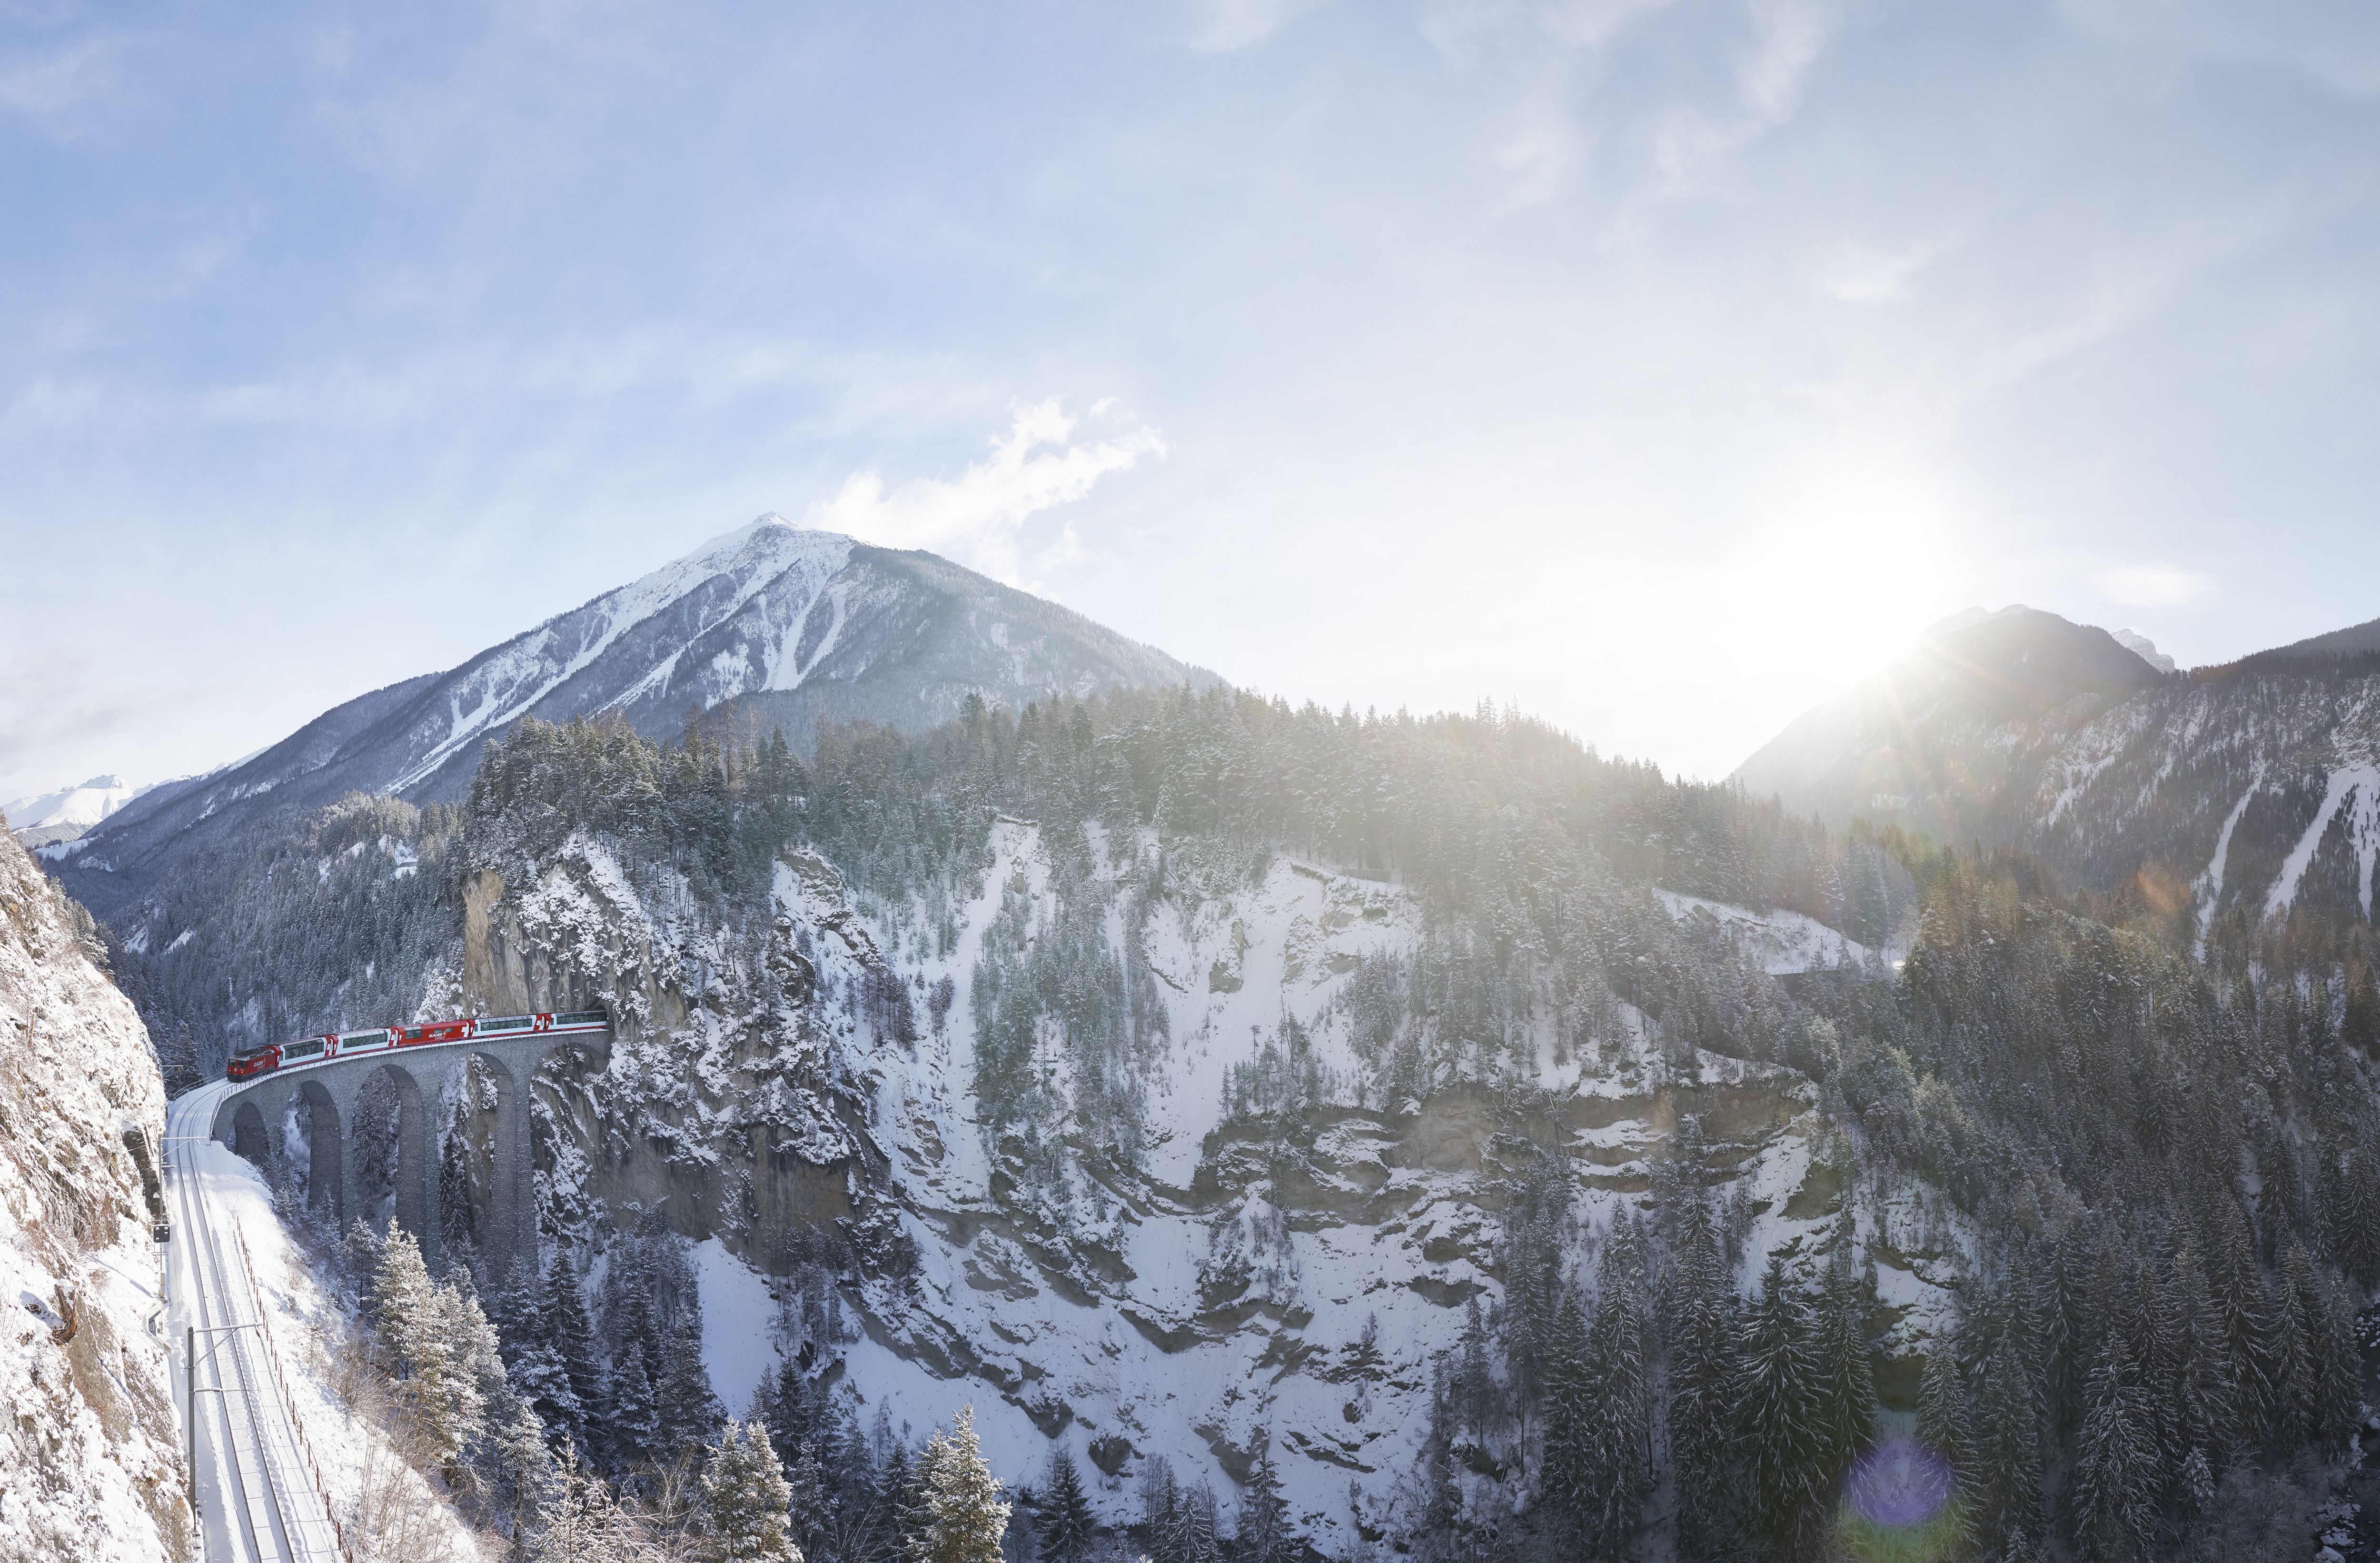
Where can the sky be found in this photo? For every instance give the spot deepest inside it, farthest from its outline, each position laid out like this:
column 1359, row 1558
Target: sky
column 1656, row 366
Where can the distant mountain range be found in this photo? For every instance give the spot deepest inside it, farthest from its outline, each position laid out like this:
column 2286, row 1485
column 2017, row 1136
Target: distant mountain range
column 2251, row 788
column 795, row 627
column 48, row 817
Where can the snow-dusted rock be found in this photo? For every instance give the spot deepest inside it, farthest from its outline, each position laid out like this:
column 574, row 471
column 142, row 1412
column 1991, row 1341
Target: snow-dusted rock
column 90, row 1467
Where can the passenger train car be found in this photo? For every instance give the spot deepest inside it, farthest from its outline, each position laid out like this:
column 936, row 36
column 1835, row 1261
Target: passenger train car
column 347, row 1044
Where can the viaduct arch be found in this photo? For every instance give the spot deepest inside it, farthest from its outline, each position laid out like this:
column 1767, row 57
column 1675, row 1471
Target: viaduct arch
column 325, row 1097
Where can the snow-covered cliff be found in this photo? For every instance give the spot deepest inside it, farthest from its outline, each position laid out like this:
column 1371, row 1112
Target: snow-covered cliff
column 89, row 1463
column 1276, row 1259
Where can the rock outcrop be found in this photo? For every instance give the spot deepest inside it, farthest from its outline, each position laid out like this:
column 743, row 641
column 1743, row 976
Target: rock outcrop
column 90, row 1460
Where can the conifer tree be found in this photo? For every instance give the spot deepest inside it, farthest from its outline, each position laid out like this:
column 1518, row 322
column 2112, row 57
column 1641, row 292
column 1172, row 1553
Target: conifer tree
column 1571, row 1482
column 2244, row 1323
column 1160, row 1496
column 2202, row 1385
column 2009, row 1433
column 1442, row 1518
column 1195, row 1538
column 2115, row 1464
column 964, row 1514
column 526, row 1473
column 2337, row 1365
column 1945, row 1426
column 687, row 1412
column 631, row 1417
column 1777, row 1398
column 1067, row 1529
column 401, row 1301
column 1846, row 1383
column 569, row 1336
column 905, row 1495
column 359, row 1252
column 1702, row 1382
column 743, row 1497
column 533, row 1363
column 1263, row 1533
column 459, row 1371
column 2288, row 1405
column 806, row 1503
column 515, row 1312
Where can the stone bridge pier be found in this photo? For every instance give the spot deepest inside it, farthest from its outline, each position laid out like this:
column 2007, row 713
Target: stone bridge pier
column 325, row 1096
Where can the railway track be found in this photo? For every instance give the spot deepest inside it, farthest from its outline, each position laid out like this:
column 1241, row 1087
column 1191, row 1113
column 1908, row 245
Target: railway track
column 259, row 1499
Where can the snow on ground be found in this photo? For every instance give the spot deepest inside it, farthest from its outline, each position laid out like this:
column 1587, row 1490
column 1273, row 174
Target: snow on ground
column 387, row 1509
column 739, row 1321
column 1783, row 942
column 2210, row 883
column 2352, row 799
column 1394, row 1237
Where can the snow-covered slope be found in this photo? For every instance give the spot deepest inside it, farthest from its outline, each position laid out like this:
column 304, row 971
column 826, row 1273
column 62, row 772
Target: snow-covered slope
column 2252, row 789
column 88, row 1451
column 325, row 1410
column 1236, row 1280
column 795, row 627
column 1782, row 944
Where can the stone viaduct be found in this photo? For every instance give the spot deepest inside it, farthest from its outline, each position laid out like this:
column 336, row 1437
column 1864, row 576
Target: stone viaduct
column 325, row 1096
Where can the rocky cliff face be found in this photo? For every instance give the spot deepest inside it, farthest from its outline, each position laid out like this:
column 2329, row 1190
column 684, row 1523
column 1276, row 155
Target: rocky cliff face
column 89, row 1463
column 1279, row 1257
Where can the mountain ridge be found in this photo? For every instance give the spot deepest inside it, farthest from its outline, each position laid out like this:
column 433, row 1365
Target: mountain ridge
column 2247, row 791
column 794, row 626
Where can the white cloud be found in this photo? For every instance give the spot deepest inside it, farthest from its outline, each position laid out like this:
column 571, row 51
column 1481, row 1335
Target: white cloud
column 978, row 515
column 2160, row 586
column 1788, row 36
column 1221, row 26
column 77, row 93
column 2336, row 42
column 1871, row 274
column 1568, row 24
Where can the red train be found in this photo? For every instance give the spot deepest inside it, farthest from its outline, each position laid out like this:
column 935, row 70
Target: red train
column 346, row 1045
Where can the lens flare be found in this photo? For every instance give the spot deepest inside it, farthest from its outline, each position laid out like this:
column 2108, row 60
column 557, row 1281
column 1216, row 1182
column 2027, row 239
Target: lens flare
column 1900, row 1504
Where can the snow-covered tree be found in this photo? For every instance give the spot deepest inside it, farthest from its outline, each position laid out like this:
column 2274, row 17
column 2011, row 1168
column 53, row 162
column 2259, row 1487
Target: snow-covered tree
column 566, row 1332
column 1702, row 1376
column 965, row 1517
column 1946, row 1425
column 584, row 1523
column 1845, row 1412
column 743, row 1495
column 401, row 1301
column 2115, row 1464
column 1263, row 1534
column 1776, row 1399
column 808, row 1503
column 1063, row 1513
column 688, row 1412
column 524, row 1466
column 532, row 1360
column 2008, row 1437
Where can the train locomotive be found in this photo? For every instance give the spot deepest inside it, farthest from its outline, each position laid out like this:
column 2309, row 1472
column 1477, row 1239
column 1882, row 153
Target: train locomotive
column 330, row 1045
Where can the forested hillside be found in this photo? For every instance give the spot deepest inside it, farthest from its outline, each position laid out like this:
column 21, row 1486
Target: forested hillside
column 1504, row 1201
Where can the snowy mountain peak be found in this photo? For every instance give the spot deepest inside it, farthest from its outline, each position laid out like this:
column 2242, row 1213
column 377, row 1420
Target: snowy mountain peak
column 767, row 531
column 2133, row 641
column 48, row 817
column 792, row 626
